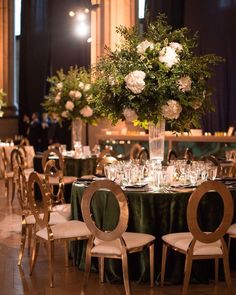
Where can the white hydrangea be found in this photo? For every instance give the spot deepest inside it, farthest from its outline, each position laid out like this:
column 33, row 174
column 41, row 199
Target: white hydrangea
column 168, row 56
column 72, row 93
column 185, row 83
column 81, row 85
column 77, row 94
column 130, row 115
column 69, row 105
column 59, row 85
column 143, row 46
column 171, row 110
column 86, row 111
column 58, row 97
column 176, row 46
column 87, row 87
column 135, row 81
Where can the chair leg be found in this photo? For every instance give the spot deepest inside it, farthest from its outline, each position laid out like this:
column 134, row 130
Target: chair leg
column 187, row 273
column 51, row 262
column 87, row 270
column 66, row 253
column 125, row 274
column 34, row 255
column 216, row 269
column 13, row 191
column 229, row 241
column 29, row 228
column 226, row 266
column 163, row 263
column 151, row 258
column 22, row 243
column 101, row 269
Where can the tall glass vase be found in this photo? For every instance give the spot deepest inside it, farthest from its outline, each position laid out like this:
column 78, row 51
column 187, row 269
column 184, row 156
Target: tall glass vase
column 157, row 140
column 76, row 132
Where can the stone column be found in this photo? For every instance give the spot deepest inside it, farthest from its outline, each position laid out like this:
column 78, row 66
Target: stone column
column 105, row 19
column 7, row 41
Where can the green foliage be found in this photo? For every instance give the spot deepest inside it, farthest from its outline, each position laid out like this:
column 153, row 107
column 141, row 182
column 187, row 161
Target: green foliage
column 161, row 92
column 2, row 101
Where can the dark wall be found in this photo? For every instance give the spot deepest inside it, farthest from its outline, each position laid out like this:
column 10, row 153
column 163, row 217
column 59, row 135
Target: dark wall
column 47, row 44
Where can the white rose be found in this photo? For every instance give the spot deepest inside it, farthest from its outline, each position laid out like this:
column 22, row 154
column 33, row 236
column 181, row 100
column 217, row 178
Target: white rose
column 72, row 93
column 86, row 111
column 1, row 113
column 135, row 81
column 185, row 83
column 77, row 94
column 65, row 114
column 171, row 110
column 81, row 85
column 168, row 56
column 69, row 105
column 59, row 85
column 58, row 97
column 87, row 87
column 176, row 46
column 130, row 115
column 143, row 46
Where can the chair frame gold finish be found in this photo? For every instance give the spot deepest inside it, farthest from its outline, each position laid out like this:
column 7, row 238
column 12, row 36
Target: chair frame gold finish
column 42, row 222
column 17, row 160
column 111, row 235
column 7, row 168
column 51, row 169
column 199, row 235
column 24, row 204
column 55, row 151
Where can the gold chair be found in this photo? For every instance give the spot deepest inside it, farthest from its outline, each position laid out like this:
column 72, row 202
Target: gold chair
column 57, row 200
column 135, row 150
column 106, row 160
column 197, row 245
column 7, row 168
column 114, row 244
column 28, row 220
column 24, row 141
column 17, row 160
column 143, row 155
column 59, row 160
column 47, row 233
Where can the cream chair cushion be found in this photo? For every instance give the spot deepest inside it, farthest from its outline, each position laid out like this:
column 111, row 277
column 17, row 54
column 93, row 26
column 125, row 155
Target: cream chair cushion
column 69, row 229
column 183, row 240
column 64, row 210
column 232, row 229
column 55, row 218
column 132, row 240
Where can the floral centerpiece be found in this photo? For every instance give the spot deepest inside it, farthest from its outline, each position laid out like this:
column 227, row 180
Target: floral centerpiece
column 69, row 96
column 153, row 76
column 2, row 101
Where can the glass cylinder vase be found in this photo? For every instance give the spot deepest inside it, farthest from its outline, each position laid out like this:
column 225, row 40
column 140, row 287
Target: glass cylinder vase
column 157, row 140
column 76, row 132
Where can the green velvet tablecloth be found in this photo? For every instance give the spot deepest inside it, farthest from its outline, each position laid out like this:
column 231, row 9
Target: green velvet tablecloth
column 156, row 214
column 72, row 166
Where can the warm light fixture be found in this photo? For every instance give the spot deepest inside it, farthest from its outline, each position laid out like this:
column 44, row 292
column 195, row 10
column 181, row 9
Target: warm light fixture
column 81, row 17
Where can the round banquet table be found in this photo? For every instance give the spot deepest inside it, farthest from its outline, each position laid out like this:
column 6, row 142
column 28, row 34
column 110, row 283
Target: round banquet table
column 72, row 166
column 156, row 214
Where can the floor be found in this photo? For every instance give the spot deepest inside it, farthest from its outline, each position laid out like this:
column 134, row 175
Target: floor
column 16, row 281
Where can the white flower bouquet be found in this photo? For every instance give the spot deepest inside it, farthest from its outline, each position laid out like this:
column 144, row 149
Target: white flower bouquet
column 155, row 75
column 69, row 96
